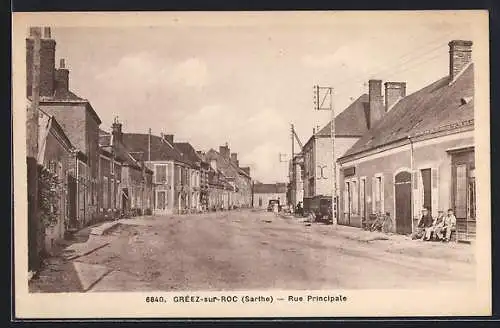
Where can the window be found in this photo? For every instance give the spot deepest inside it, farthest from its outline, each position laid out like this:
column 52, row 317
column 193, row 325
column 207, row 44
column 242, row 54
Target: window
column 347, row 197
column 362, row 187
column 112, row 194
column 378, row 194
column 105, row 193
column 461, row 191
column 116, row 195
column 354, row 197
column 161, row 173
column 472, row 193
column 427, row 192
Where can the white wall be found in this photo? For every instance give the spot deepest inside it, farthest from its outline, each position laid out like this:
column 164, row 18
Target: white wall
column 266, row 197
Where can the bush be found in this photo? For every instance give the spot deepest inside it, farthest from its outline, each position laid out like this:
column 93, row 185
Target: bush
column 48, row 196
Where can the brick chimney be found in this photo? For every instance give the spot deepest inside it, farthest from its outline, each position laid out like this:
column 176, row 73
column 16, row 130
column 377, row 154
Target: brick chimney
column 169, row 138
column 246, row 169
column 116, row 131
column 460, row 56
column 224, row 151
column 62, row 79
column 393, row 92
column 234, row 159
column 47, row 63
column 376, row 101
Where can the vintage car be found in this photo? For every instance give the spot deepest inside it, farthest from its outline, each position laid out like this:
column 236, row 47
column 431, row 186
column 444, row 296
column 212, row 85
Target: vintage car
column 270, row 206
column 320, row 209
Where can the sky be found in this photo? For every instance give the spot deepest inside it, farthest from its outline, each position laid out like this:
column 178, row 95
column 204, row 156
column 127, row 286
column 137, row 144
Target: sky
column 244, row 84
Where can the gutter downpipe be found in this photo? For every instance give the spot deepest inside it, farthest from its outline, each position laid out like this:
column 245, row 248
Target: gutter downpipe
column 411, row 183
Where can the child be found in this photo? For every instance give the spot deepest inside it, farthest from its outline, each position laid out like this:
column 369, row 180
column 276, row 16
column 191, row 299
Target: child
column 450, row 223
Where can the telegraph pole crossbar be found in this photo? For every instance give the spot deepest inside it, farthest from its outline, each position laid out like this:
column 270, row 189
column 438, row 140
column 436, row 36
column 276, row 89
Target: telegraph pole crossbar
column 328, row 92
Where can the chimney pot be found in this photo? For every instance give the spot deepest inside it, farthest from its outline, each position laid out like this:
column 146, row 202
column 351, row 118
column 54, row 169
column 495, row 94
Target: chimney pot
column 35, row 30
column 460, row 56
column 62, row 64
column 393, row 92
column 169, row 138
column 116, row 130
column 376, row 101
column 46, row 33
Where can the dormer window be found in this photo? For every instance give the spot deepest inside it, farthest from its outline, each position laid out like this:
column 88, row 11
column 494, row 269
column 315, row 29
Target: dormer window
column 465, row 100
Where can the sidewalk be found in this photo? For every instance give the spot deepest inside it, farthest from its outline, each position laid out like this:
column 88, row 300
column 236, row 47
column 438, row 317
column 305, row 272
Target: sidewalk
column 62, row 272
column 395, row 243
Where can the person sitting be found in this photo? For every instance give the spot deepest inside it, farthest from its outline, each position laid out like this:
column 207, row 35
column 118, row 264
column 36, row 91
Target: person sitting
column 438, row 226
column 387, row 223
column 423, row 225
column 450, row 223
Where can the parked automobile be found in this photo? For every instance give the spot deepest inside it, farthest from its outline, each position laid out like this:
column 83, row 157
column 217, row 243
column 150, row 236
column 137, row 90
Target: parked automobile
column 320, row 209
column 270, row 206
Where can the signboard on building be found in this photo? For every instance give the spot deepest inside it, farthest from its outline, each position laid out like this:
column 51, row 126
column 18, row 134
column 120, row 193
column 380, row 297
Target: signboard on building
column 349, row 171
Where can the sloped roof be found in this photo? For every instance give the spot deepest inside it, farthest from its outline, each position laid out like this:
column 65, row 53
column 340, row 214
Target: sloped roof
column 47, row 123
column 352, row 121
column 436, row 107
column 188, row 152
column 160, row 149
column 269, row 188
column 68, row 97
column 123, row 153
column 228, row 169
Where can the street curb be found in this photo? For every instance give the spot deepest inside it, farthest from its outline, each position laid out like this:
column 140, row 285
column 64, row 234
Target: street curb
column 71, row 258
column 103, row 228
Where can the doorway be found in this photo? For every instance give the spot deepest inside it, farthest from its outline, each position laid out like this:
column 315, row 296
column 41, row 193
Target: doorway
column 161, row 201
column 402, row 192
column 73, row 223
column 426, row 182
column 362, row 200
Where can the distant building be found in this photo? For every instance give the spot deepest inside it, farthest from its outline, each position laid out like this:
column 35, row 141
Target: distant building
column 129, row 189
column 189, row 153
column 238, row 177
column 296, row 185
column 171, row 170
column 420, row 154
column 264, row 192
column 350, row 125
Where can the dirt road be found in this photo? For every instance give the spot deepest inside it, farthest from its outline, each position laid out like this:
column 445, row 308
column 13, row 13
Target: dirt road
column 256, row 250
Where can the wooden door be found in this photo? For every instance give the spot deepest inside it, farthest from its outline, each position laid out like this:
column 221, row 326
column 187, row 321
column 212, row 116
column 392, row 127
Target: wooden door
column 402, row 193
column 72, row 201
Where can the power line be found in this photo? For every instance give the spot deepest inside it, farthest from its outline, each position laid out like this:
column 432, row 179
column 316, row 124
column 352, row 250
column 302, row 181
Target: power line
column 436, row 44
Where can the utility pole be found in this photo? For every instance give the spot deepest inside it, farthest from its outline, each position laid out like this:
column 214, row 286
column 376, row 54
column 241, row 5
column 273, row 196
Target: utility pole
column 32, row 153
column 319, row 105
column 149, row 145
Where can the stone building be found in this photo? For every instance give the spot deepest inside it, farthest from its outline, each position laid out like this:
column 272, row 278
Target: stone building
column 264, row 192
column 171, row 170
column 56, row 154
column 238, row 177
column 317, row 157
column 194, row 182
column 78, row 120
column 421, row 153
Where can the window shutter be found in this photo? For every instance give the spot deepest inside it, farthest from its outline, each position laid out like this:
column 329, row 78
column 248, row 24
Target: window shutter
column 415, row 193
column 382, row 194
column 435, row 191
column 374, row 181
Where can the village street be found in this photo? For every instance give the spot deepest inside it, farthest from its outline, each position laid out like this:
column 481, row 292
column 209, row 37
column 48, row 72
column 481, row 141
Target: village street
column 250, row 249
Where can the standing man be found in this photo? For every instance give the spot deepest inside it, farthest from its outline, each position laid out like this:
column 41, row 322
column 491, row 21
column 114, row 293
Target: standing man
column 450, row 224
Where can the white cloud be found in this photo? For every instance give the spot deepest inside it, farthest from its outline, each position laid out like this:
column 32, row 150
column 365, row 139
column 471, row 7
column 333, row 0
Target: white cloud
column 191, row 72
column 318, row 61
